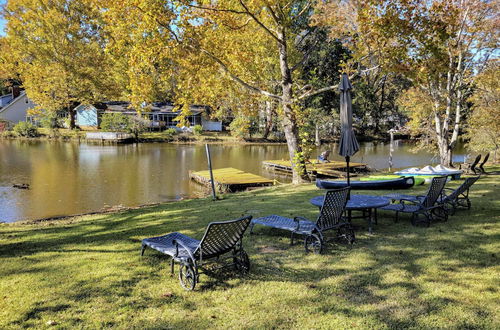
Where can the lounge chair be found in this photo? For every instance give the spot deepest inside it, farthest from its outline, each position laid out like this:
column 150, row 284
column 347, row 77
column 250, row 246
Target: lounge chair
column 459, row 197
column 330, row 218
column 481, row 168
column 220, row 238
column 470, row 167
column 426, row 205
column 452, row 200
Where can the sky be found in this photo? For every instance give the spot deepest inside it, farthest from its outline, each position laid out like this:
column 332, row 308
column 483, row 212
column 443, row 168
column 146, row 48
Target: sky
column 2, row 21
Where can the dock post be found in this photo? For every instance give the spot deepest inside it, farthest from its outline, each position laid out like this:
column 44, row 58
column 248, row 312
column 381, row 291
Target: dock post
column 207, row 148
column 391, row 147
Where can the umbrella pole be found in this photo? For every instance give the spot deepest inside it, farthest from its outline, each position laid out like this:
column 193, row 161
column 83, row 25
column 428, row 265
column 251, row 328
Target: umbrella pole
column 348, row 178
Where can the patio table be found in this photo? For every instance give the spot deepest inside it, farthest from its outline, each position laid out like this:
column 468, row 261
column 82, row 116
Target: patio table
column 367, row 204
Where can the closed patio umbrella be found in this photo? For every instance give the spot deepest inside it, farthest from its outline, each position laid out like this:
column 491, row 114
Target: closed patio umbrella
column 348, row 143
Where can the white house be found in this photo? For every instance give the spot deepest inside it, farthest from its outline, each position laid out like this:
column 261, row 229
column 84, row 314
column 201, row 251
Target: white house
column 16, row 110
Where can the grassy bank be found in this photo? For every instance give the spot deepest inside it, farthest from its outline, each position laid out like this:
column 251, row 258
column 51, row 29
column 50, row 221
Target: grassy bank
column 87, row 272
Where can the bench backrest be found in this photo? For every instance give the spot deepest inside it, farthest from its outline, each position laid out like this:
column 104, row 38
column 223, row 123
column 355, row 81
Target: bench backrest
column 332, row 208
column 221, row 237
column 435, row 190
column 484, row 161
column 463, row 187
column 475, row 162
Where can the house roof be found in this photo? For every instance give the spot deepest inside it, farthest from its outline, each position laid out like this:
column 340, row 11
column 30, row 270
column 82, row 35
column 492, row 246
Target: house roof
column 11, row 103
column 156, row 107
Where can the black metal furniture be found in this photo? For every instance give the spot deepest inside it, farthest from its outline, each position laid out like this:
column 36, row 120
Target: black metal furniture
column 471, row 167
column 330, row 218
column 367, row 204
column 219, row 239
column 481, row 166
column 426, row 205
column 452, row 200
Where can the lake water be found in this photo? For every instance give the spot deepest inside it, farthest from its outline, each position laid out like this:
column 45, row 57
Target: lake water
column 68, row 178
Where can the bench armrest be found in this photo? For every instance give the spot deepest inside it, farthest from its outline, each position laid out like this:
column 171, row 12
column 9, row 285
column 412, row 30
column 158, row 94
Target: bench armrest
column 411, row 201
column 179, row 243
column 297, row 220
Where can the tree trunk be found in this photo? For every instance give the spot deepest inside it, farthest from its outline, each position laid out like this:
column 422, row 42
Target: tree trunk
column 72, row 118
column 269, row 119
column 316, row 135
column 289, row 120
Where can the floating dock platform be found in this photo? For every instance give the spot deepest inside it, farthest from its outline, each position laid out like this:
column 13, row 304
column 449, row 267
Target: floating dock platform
column 231, row 179
column 115, row 137
column 333, row 169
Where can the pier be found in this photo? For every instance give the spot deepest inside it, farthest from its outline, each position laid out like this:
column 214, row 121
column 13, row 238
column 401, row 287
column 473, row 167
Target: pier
column 231, row 179
column 116, row 137
column 333, row 169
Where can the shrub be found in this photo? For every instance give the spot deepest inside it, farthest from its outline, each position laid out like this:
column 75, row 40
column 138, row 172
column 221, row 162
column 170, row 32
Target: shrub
column 169, row 133
column 26, row 129
column 197, row 130
column 8, row 134
column 239, row 127
column 137, row 125
column 49, row 120
column 115, row 122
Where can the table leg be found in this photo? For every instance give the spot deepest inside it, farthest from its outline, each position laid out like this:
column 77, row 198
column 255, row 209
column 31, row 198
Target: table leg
column 370, row 218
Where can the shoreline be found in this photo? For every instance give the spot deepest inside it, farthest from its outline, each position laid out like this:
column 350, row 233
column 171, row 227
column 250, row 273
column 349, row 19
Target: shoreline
column 66, row 135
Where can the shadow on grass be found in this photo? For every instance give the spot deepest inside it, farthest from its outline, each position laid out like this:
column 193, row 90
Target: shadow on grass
column 363, row 286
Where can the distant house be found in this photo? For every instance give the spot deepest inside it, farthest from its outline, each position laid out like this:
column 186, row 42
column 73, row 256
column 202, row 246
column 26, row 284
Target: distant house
column 15, row 106
column 161, row 114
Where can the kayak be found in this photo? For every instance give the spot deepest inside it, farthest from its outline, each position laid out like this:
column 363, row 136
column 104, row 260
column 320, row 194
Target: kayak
column 398, row 183
column 419, row 180
column 430, row 171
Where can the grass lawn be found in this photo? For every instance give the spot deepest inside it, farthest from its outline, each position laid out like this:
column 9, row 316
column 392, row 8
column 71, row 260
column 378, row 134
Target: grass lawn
column 87, row 272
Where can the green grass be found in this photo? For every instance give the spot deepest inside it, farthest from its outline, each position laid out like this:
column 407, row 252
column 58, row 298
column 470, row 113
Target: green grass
column 87, row 272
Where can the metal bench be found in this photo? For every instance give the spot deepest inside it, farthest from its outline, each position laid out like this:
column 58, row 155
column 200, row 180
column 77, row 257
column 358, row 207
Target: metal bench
column 220, row 238
column 330, row 218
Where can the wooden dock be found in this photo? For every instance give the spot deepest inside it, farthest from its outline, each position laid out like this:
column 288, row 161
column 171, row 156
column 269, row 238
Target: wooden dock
column 333, row 169
column 231, row 179
column 116, row 137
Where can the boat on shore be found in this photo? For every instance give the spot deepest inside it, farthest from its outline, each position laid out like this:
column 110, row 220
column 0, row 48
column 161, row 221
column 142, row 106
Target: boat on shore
column 419, row 180
column 398, row 183
column 430, row 171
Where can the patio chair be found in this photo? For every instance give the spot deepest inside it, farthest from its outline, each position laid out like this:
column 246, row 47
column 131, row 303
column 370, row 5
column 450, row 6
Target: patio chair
column 458, row 197
column 481, row 168
column 330, row 218
column 470, row 167
column 426, row 205
column 220, row 238
column 452, row 200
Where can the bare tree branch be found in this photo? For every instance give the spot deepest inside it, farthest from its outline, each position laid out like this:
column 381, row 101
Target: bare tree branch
column 248, row 12
column 218, row 9
column 316, row 92
column 238, row 79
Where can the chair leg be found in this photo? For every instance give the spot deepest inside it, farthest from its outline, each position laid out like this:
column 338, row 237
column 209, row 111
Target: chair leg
column 291, row 238
column 172, row 266
column 142, row 249
column 396, row 219
column 251, row 228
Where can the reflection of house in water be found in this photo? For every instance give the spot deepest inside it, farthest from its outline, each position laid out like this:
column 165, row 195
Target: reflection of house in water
column 161, row 114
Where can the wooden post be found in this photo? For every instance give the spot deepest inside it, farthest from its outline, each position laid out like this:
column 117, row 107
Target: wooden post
column 391, row 147
column 207, row 148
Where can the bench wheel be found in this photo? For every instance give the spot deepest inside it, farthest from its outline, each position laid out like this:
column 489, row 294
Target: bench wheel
column 187, row 276
column 345, row 234
column 313, row 243
column 242, row 262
